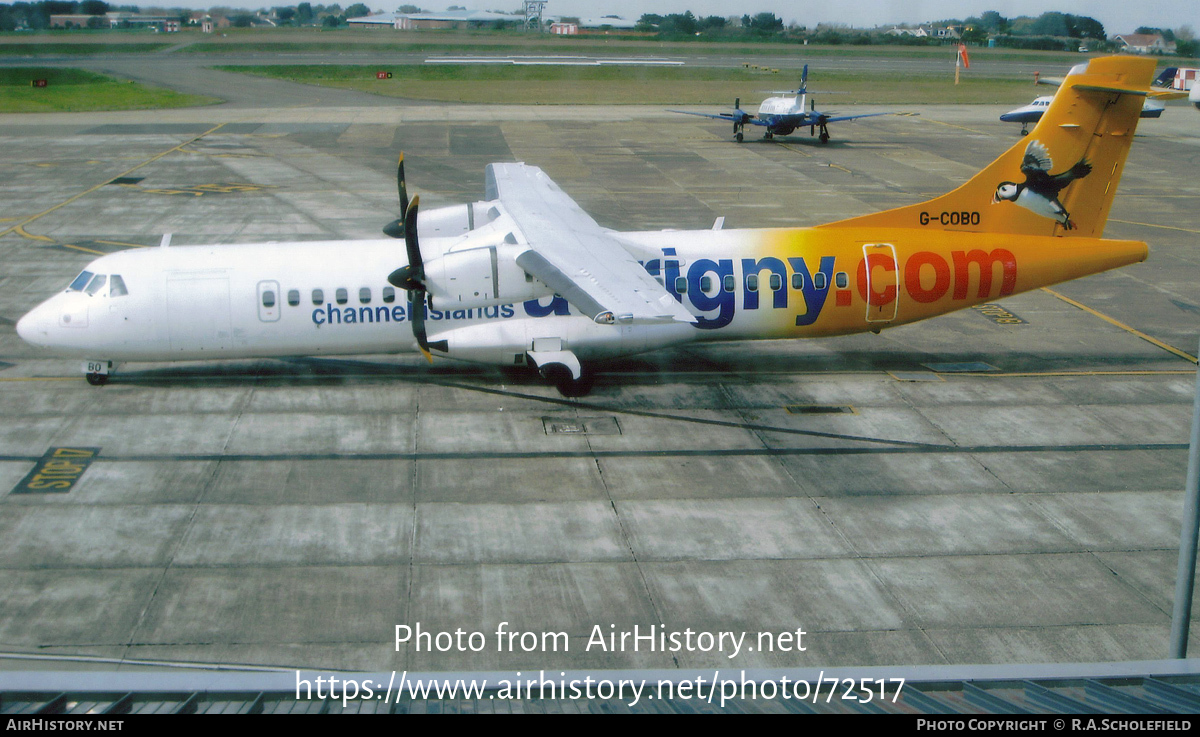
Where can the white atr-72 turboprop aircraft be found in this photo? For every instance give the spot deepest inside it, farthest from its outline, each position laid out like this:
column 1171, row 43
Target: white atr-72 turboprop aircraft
column 525, row 277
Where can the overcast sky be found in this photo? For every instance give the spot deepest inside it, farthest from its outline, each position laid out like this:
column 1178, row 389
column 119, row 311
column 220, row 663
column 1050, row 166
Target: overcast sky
column 1118, row 16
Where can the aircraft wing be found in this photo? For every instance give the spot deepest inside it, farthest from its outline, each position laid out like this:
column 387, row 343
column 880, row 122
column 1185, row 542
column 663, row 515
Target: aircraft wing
column 729, row 117
column 574, row 256
column 840, row 118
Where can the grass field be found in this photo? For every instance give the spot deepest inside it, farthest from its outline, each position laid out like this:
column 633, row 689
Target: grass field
column 615, row 85
column 357, row 40
column 74, row 91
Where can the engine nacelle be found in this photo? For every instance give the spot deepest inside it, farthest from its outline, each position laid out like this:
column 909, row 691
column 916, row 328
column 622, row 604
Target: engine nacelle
column 505, row 342
column 480, row 277
column 455, row 220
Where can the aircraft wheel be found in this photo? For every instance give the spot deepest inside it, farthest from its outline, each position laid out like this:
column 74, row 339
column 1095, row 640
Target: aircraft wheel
column 566, row 384
column 97, row 379
column 824, row 138
column 1024, row 132
column 739, row 136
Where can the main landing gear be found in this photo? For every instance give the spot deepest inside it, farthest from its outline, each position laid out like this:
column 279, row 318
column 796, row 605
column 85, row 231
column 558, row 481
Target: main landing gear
column 566, row 383
column 560, row 367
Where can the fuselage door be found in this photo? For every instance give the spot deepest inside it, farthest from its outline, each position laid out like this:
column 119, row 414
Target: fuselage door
column 198, row 315
column 268, row 301
column 880, row 275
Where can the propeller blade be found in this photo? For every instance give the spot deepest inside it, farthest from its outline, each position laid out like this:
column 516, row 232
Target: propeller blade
column 401, row 187
column 395, row 229
column 415, row 261
column 412, row 278
column 417, row 317
column 403, row 278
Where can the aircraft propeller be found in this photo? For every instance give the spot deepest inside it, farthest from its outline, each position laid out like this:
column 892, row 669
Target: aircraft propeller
column 395, row 229
column 411, row 277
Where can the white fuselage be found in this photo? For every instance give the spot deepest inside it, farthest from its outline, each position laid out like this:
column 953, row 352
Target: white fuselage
column 1033, row 112
column 332, row 298
column 773, row 106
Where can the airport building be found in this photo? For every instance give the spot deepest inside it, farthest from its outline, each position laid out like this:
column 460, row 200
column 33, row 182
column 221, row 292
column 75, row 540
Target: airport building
column 168, row 24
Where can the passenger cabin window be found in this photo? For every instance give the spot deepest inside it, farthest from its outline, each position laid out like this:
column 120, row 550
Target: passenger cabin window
column 96, row 284
column 819, row 281
column 681, row 284
column 776, row 282
column 797, row 281
column 318, row 297
column 706, row 284
column 116, row 286
column 730, row 282
column 841, row 280
column 293, row 297
column 268, row 297
column 342, row 296
column 389, row 294
column 752, row 282
column 364, row 295
column 80, row 281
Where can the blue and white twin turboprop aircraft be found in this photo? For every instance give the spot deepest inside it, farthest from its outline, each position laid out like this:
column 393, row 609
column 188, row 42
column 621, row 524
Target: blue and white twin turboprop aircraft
column 782, row 115
column 1034, row 111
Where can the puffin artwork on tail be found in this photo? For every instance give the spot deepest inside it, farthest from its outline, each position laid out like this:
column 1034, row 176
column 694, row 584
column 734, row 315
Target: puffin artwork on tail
column 1039, row 192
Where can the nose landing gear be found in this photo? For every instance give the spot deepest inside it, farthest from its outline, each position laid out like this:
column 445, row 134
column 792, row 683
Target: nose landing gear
column 97, row 372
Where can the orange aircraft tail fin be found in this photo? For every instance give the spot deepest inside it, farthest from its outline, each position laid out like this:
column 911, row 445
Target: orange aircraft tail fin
column 1062, row 178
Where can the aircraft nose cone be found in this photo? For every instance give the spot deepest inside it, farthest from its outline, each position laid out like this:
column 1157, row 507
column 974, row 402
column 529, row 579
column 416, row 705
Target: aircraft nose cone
column 32, row 328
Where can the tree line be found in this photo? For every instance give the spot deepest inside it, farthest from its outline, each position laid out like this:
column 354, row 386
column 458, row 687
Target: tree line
column 1051, row 30
column 35, row 16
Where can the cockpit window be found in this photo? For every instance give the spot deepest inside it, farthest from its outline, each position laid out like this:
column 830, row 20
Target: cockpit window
column 116, row 286
column 96, row 284
column 80, row 282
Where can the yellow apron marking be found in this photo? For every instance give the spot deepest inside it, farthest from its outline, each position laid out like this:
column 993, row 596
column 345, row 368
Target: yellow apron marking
column 1123, row 326
column 793, row 148
column 121, row 243
column 20, row 230
column 69, row 200
column 1033, row 374
column 1153, row 225
column 85, row 250
column 960, row 127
